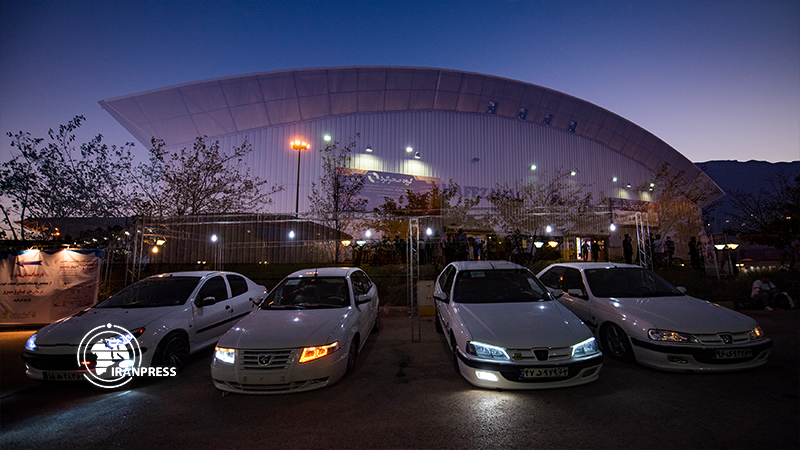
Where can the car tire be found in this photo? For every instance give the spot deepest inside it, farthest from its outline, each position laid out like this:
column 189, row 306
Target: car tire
column 438, row 322
column 376, row 327
column 172, row 351
column 352, row 353
column 454, row 349
column 616, row 343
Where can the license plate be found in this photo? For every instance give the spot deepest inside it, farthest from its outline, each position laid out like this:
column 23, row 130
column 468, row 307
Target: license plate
column 734, row 353
column 552, row 372
column 63, row 376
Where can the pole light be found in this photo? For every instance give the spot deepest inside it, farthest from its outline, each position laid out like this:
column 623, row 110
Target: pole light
column 298, row 145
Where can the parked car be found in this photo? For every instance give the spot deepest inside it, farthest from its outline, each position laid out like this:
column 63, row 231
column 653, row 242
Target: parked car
column 305, row 335
column 637, row 315
column 170, row 315
column 506, row 331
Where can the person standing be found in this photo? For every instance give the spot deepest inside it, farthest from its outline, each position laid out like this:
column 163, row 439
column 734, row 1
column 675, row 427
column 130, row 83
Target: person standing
column 627, row 249
column 694, row 253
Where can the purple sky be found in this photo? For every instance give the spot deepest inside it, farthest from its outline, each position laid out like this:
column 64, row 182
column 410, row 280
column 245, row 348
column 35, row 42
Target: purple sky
column 714, row 79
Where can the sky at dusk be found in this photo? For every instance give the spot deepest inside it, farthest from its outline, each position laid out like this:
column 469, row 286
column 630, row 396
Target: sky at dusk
column 717, row 80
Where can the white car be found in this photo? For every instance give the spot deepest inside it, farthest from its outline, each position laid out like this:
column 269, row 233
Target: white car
column 506, row 331
column 637, row 315
column 305, row 335
column 170, row 315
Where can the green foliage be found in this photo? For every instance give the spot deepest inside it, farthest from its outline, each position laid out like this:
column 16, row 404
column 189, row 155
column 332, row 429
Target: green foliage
column 200, row 180
column 58, row 178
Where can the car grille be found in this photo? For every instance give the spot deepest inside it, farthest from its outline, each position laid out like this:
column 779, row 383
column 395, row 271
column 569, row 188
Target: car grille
column 540, row 354
column 279, row 387
column 265, row 360
column 723, row 338
column 56, row 362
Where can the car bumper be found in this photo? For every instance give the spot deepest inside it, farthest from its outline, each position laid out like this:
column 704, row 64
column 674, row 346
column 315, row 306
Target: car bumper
column 509, row 375
column 62, row 365
column 701, row 358
column 287, row 377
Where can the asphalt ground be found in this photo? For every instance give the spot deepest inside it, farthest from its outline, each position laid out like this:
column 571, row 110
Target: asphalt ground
column 405, row 394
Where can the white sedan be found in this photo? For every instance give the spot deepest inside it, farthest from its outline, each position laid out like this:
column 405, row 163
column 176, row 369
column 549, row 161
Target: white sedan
column 639, row 316
column 506, row 331
column 305, row 335
column 170, row 316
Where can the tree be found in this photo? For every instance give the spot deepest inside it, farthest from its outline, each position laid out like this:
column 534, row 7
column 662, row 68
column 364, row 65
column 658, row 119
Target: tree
column 770, row 217
column 200, row 180
column 441, row 202
column 334, row 198
column 59, row 179
column 679, row 202
column 557, row 201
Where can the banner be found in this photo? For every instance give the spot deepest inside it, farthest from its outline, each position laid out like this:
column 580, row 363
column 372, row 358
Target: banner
column 39, row 286
column 624, row 211
column 378, row 185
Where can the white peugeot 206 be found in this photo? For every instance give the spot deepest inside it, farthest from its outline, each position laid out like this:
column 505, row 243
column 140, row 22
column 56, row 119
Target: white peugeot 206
column 506, row 331
column 637, row 315
column 169, row 316
column 305, row 335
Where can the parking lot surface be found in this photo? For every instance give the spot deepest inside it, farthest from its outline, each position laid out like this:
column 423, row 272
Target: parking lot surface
column 406, row 394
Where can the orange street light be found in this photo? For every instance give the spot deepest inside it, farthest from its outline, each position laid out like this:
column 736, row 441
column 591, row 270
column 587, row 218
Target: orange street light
column 298, row 145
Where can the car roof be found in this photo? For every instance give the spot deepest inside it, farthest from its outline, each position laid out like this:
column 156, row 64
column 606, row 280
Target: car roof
column 593, row 265
column 485, row 265
column 193, row 273
column 324, row 272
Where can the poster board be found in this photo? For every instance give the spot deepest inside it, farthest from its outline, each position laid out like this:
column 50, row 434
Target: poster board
column 40, row 286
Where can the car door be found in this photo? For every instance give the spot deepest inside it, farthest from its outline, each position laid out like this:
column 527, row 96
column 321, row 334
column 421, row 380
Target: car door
column 212, row 310
column 442, row 293
column 576, row 296
column 366, row 297
column 241, row 302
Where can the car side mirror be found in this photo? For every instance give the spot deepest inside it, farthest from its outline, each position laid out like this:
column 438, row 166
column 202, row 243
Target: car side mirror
column 681, row 289
column 361, row 299
column 440, row 296
column 575, row 292
column 207, row 301
column 557, row 293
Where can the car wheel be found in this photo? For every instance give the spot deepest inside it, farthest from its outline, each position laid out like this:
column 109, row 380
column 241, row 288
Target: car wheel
column 438, row 321
column 376, row 327
column 616, row 343
column 172, row 351
column 352, row 353
column 455, row 354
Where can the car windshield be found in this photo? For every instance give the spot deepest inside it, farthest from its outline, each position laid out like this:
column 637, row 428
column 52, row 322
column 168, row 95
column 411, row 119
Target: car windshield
column 628, row 283
column 313, row 292
column 153, row 292
column 498, row 286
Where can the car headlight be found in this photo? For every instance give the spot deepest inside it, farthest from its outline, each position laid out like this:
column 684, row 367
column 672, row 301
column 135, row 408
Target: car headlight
column 670, row 336
column 486, row 351
column 755, row 333
column 226, row 355
column 585, row 348
column 30, row 344
column 313, row 353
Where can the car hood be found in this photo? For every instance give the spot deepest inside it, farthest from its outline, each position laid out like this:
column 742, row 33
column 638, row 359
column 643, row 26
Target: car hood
column 684, row 314
column 523, row 325
column 72, row 329
column 270, row 329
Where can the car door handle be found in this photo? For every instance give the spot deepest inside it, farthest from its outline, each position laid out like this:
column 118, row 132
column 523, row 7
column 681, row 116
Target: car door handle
column 227, row 306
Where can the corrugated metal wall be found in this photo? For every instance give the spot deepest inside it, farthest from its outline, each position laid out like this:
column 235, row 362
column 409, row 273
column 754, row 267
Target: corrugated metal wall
column 472, row 150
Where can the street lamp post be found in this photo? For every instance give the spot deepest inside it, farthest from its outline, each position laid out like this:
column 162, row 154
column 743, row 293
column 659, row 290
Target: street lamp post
column 298, row 145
